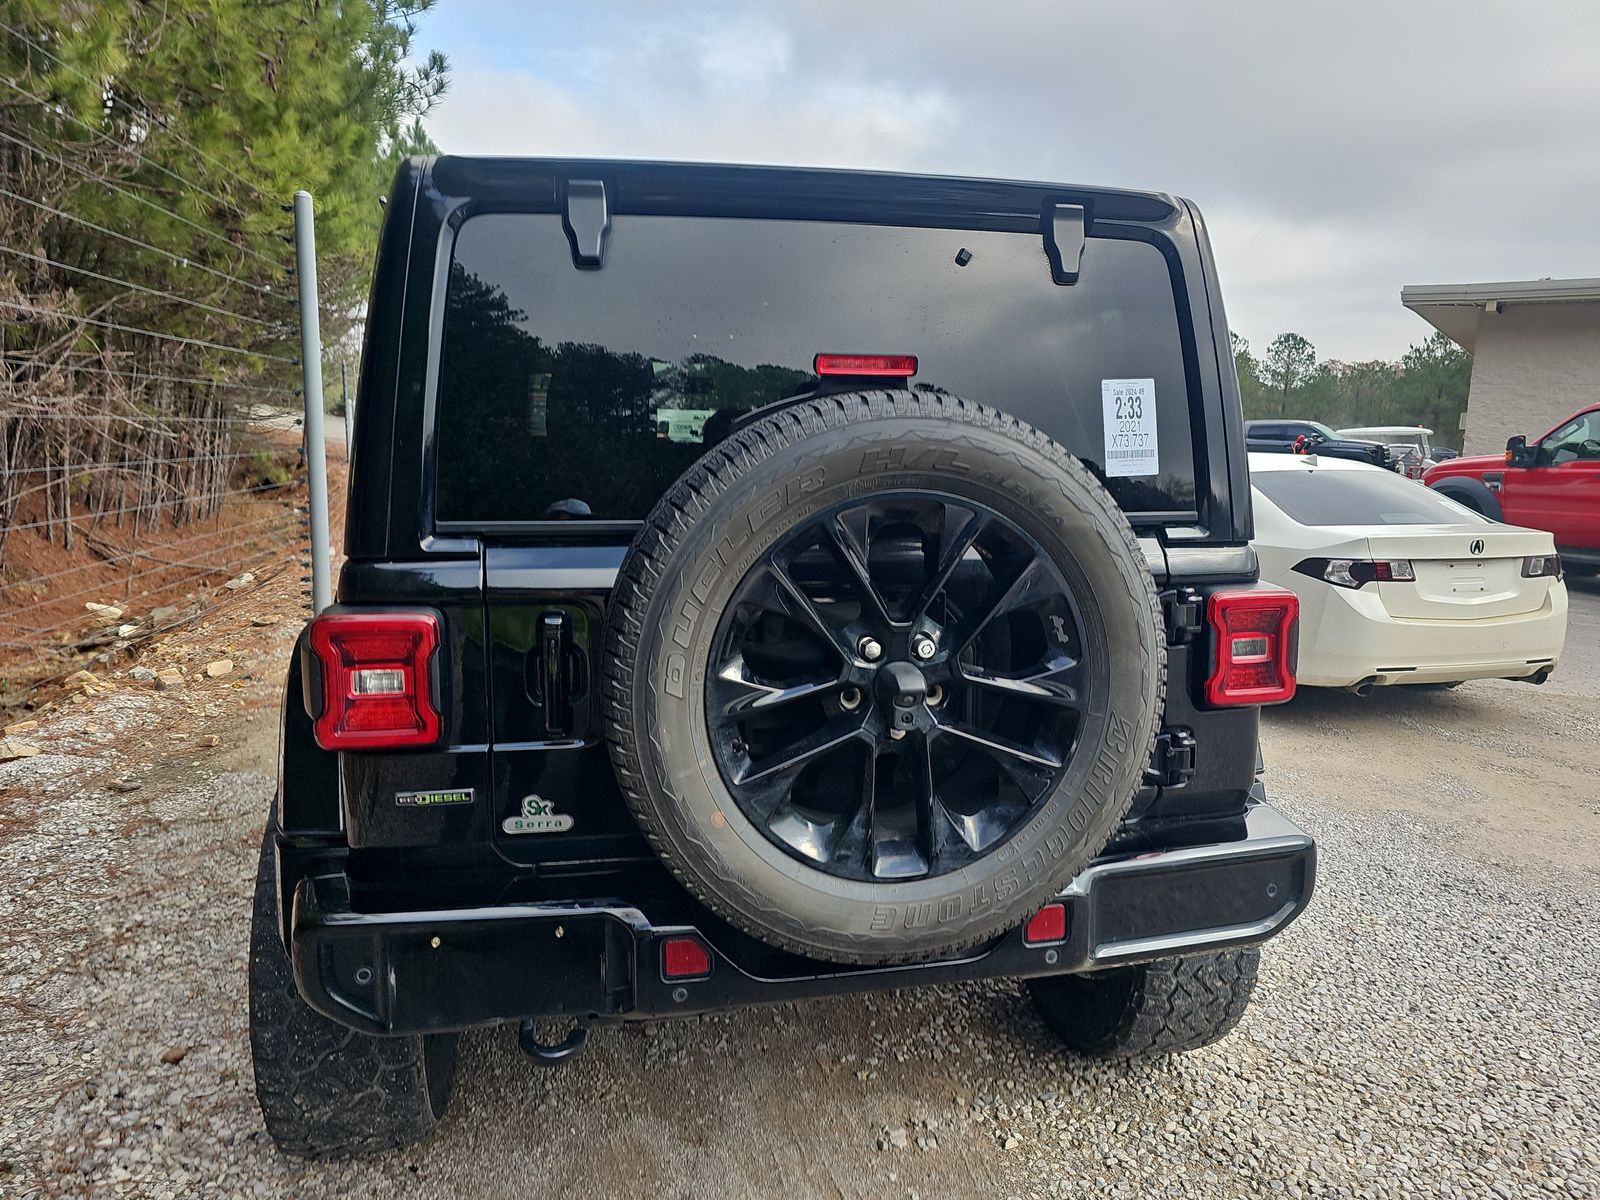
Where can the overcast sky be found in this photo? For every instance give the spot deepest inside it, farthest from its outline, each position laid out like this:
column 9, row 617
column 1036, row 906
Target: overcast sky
column 1338, row 151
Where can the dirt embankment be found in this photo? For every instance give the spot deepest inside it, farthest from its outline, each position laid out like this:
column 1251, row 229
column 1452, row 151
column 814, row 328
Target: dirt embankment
column 89, row 605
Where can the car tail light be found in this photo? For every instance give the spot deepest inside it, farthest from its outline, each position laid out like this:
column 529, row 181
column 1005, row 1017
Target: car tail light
column 1049, row 924
column 377, row 680
column 901, row 365
column 1253, row 640
column 1357, row 572
column 685, row 958
column 1539, row 565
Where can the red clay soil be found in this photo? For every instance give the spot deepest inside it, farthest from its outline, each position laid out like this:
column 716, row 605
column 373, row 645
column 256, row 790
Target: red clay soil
column 160, row 579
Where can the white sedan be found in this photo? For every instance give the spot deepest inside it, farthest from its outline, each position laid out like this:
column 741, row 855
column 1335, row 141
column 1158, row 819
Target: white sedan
column 1398, row 584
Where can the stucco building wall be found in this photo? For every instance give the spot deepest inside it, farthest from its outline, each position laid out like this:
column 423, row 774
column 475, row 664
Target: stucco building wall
column 1533, row 364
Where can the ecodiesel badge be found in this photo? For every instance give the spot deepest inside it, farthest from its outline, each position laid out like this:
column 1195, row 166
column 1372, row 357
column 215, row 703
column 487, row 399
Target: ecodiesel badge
column 433, row 799
column 538, row 816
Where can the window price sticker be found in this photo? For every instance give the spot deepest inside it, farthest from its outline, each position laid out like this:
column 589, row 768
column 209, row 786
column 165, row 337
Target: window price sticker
column 1130, row 422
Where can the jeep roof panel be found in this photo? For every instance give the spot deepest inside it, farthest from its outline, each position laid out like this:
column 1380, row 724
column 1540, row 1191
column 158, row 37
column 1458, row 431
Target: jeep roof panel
column 716, row 189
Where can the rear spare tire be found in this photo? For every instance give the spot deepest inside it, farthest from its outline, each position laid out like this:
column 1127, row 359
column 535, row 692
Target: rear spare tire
column 883, row 672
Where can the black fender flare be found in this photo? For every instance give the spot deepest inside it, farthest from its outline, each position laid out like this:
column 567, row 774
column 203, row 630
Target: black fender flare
column 307, row 799
column 1474, row 493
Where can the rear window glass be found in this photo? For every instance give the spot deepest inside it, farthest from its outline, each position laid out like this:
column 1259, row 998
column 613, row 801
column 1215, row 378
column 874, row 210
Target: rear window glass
column 1373, row 497
column 564, row 392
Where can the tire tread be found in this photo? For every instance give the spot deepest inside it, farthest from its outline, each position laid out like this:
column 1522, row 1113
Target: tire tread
column 1169, row 1006
column 325, row 1089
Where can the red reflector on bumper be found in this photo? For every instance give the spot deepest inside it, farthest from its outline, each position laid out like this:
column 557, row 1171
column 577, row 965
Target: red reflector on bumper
column 1049, row 924
column 684, row 958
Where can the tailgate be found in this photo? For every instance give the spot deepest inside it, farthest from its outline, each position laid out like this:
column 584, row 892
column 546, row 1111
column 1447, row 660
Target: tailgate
column 555, row 796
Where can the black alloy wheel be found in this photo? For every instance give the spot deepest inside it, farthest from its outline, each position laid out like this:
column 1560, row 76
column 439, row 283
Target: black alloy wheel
column 896, row 685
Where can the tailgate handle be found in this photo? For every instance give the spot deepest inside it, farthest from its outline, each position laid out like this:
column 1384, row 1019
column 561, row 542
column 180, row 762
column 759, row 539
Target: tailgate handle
column 554, row 683
column 1063, row 241
column 586, row 220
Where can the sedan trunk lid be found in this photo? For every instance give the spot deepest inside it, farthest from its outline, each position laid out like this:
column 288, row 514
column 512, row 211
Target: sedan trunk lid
column 1463, row 572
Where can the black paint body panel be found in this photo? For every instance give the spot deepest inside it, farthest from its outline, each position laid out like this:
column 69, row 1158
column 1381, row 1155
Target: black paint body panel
column 523, row 609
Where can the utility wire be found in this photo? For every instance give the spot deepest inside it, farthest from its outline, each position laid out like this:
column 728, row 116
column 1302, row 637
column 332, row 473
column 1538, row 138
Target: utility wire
column 166, row 337
column 68, row 471
column 123, row 581
column 142, row 551
column 154, row 504
column 93, row 370
column 233, row 420
column 133, row 241
column 54, row 473
column 128, row 283
column 137, row 199
column 123, row 464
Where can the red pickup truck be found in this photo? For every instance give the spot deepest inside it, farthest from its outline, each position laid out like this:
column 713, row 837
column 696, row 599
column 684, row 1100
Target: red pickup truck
column 1552, row 484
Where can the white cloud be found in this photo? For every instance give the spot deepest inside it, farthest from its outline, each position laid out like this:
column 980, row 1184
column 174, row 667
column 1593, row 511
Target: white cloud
column 1339, row 152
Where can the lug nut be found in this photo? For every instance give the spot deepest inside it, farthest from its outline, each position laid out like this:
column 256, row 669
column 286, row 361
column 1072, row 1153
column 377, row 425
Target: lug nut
column 923, row 646
column 870, row 649
column 850, row 699
column 897, row 734
column 935, row 694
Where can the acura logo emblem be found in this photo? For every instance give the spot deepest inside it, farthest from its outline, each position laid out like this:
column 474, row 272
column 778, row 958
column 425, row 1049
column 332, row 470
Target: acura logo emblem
column 1476, row 547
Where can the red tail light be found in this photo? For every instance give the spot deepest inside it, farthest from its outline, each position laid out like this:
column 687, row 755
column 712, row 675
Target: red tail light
column 377, row 685
column 1357, row 572
column 1253, row 640
column 685, row 958
column 901, row 365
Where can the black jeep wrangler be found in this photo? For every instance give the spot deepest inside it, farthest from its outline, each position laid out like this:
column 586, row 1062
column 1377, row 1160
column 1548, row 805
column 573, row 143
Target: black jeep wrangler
column 765, row 584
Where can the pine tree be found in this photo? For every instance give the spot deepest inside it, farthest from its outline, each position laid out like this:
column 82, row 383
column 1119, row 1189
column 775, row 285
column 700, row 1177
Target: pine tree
column 149, row 152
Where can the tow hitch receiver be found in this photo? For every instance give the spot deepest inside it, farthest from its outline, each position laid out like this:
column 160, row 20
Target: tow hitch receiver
column 552, row 1056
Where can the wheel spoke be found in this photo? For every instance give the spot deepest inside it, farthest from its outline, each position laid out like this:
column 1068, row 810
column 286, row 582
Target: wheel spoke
column 852, row 556
column 1023, row 586
column 739, row 694
column 791, row 760
column 1056, row 683
column 894, row 851
column 853, row 845
column 803, row 834
column 791, row 600
column 988, row 825
column 931, row 815
column 954, row 546
column 1030, row 769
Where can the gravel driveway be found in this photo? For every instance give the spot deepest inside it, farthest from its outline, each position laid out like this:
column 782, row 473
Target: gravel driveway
column 1427, row 1028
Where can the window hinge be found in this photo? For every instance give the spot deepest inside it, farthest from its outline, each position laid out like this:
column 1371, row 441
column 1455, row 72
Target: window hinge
column 1182, row 609
column 586, row 222
column 1063, row 241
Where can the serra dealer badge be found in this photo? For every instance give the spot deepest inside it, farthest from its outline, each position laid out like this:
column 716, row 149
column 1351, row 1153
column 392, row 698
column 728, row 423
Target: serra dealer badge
column 1130, row 423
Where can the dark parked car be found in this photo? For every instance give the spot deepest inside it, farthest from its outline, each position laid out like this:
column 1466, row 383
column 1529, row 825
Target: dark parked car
column 765, row 584
column 1312, row 437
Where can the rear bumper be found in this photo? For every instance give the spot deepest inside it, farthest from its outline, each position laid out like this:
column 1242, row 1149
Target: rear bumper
column 414, row 972
column 1353, row 638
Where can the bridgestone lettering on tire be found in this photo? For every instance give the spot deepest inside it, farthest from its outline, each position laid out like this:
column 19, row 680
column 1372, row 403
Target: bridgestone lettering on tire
column 883, row 673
